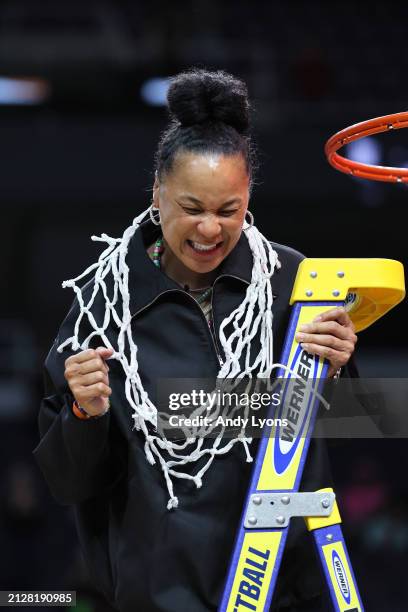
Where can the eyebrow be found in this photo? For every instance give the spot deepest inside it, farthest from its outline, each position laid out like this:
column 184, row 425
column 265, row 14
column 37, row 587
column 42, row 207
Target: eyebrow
column 194, row 200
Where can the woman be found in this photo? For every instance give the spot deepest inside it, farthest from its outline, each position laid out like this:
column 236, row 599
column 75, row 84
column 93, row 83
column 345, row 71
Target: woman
column 188, row 293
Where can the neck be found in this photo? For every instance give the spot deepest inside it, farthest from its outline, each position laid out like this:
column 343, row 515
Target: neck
column 182, row 275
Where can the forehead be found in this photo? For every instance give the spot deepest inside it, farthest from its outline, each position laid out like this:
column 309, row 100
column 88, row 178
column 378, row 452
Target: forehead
column 213, row 174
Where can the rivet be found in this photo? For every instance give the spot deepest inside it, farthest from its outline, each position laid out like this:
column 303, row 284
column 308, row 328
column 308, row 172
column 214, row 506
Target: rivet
column 309, row 293
column 252, row 520
column 329, row 537
column 325, row 502
column 280, row 520
column 257, row 500
column 285, row 500
column 336, row 292
column 313, row 274
column 340, row 274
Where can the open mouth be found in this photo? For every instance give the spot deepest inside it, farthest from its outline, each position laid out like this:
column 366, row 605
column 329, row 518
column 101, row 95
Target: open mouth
column 204, row 249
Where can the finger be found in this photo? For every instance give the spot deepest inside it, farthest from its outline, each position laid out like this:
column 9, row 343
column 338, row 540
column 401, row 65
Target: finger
column 337, row 358
column 104, row 352
column 332, row 328
column 92, row 391
column 79, row 369
column 331, row 371
column 326, row 340
column 92, row 378
column 336, row 314
column 89, row 354
column 80, row 357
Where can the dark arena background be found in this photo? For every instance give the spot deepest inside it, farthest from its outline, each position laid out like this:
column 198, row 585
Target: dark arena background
column 81, row 109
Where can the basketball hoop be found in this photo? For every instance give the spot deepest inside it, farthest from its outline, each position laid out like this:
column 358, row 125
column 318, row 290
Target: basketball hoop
column 360, row 130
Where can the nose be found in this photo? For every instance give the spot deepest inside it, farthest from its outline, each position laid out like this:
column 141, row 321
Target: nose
column 210, row 228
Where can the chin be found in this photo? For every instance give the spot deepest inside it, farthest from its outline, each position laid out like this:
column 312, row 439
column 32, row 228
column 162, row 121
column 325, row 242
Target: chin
column 204, row 267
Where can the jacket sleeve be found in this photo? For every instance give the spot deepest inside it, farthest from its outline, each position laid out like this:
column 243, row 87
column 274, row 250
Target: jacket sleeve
column 73, row 454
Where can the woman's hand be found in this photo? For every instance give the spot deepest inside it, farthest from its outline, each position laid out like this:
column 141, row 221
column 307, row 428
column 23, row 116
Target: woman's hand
column 87, row 376
column 330, row 335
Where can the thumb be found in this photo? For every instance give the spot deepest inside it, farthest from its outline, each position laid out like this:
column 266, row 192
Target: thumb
column 104, row 352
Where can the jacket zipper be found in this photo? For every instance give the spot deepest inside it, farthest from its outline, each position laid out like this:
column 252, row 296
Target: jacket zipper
column 209, row 332
column 211, row 329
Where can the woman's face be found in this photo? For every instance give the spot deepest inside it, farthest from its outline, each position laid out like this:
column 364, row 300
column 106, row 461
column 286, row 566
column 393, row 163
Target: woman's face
column 202, row 203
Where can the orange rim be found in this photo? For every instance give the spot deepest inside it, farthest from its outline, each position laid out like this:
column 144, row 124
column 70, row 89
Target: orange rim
column 360, row 130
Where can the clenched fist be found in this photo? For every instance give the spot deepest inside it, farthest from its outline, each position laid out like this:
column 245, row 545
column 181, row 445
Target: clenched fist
column 87, row 376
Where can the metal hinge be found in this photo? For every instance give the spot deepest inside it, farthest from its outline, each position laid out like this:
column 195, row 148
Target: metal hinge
column 274, row 510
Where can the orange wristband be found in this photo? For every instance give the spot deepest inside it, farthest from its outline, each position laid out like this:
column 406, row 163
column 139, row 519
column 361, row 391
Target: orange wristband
column 81, row 414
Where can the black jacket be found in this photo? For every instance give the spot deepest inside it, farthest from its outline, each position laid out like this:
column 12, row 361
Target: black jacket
column 140, row 555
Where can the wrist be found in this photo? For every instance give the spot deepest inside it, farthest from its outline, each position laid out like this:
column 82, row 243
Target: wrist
column 82, row 414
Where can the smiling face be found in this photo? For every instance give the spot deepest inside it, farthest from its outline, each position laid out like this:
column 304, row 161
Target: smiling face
column 202, row 203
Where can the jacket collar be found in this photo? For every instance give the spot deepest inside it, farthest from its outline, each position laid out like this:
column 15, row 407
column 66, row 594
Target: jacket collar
column 147, row 282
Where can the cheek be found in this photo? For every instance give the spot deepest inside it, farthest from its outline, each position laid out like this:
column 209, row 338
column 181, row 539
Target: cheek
column 234, row 228
column 176, row 229
column 235, row 231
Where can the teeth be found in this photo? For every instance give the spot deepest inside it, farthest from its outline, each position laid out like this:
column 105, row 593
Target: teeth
column 202, row 247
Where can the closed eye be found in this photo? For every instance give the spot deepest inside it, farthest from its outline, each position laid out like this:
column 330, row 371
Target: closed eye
column 197, row 211
column 227, row 213
column 192, row 211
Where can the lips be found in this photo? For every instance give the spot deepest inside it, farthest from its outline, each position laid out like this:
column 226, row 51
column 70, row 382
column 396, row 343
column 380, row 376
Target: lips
column 204, row 250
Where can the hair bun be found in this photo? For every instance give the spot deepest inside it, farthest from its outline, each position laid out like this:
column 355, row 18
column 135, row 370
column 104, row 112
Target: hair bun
column 200, row 96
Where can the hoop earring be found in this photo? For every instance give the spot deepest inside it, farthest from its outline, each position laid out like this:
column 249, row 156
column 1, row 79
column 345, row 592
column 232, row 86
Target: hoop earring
column 154, row 220
column 251, row 220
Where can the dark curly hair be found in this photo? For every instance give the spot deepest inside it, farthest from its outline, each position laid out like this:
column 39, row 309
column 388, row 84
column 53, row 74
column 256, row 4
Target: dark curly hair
column 209, row 113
